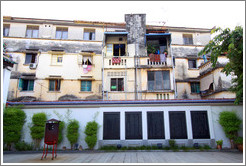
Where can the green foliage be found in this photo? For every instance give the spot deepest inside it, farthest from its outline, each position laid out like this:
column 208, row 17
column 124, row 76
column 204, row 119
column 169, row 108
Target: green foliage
column 239, row 140
column 206, row 147
column 219, row 142
column 13, row 121
column 91, row 141
column 23, row 146
column 61, row 127
column 73, row 132
column 108, row 148
column 38, row 127
column 151, row 49
column 91, row 128
column 91, row 132
column 230, row 43
column 172, row 143
column 230, row 123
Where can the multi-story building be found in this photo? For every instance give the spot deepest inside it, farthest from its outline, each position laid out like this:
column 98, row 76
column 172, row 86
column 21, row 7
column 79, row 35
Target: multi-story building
column 83, row 60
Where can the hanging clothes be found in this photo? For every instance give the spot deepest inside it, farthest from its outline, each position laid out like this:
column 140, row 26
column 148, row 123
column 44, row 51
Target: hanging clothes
column 157, row 58
column 152, row 57
column 163, row 58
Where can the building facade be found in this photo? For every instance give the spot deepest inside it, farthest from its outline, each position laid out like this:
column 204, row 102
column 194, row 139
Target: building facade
column 83, row 60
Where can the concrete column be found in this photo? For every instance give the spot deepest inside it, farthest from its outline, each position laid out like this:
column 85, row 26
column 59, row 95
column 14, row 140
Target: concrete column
column 6, row 80
column 188, row 124
column 166, row 125
column 144, row 125
column 210, row 123
column 122, row 125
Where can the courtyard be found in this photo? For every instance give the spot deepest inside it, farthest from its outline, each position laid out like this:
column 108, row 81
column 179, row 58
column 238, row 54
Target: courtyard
column 128, row 157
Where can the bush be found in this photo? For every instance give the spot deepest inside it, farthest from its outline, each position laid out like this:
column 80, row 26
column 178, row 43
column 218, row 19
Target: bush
column 61, row 127
column 91, row 132
column 73, row 132
column 172, row 143
column 219, row 142
column 13, row 121
column 231, row 124
column 23, row 146
column 38, row 127
column 239, row 140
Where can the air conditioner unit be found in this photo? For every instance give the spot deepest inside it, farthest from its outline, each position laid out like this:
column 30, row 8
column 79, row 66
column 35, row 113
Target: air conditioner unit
column 32, row 65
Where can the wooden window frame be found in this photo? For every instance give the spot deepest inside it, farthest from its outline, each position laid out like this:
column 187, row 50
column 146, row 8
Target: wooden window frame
column 155, row 89
column 32, row 28
column 57, row 86
column 117, row 85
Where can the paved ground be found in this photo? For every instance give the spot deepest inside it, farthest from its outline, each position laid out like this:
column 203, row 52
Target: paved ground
column 129, row 157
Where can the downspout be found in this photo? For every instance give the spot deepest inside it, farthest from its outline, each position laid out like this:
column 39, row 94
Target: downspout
column 174, row 82
column 103, row 64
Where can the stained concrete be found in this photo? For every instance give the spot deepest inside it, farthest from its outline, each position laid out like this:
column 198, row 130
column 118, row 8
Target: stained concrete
column 129, row 157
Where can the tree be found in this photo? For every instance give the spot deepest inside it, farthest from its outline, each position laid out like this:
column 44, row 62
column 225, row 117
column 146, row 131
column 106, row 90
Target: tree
column 38, row 127
column 229, row 42
column 13, row 121
column 73, row 132
column 231, row 124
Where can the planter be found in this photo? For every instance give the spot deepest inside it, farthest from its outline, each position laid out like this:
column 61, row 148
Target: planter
column 240, row 147
column 219, row 147
column 64, row 148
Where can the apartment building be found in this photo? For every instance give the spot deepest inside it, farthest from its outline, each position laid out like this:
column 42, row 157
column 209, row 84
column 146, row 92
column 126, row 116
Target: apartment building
column 83, row 60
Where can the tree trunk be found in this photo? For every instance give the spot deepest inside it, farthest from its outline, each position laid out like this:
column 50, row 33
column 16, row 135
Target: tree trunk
column 232, row 144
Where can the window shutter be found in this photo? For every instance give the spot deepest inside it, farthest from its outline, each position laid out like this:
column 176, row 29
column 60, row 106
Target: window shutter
column 80, row 57
column 30, row 85
column 20, row 84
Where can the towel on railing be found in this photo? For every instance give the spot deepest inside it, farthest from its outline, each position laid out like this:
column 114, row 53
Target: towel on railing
column 116, row 60
column 163, row 57
column 157, row 58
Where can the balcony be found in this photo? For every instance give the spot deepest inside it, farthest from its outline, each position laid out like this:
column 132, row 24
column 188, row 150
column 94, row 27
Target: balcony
column 119, row 62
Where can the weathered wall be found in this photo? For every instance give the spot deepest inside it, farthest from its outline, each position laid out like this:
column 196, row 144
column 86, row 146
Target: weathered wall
column 20, row 45
column 184, row 91
column 136, row 28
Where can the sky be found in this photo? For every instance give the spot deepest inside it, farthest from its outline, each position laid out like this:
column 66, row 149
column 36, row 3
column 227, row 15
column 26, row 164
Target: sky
column 197, row 14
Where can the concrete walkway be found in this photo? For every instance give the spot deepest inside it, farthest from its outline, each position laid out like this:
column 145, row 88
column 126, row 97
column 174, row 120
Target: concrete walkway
column 129, row 157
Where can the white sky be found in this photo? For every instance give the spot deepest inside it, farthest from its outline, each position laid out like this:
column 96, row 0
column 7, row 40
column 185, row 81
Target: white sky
column 200, row 14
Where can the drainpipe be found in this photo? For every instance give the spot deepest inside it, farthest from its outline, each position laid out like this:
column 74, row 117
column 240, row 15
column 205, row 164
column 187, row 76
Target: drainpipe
column 103, row 64
column 174, row 82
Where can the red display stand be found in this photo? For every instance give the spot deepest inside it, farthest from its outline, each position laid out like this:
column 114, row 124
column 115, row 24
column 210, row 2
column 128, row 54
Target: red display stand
column 51, row 137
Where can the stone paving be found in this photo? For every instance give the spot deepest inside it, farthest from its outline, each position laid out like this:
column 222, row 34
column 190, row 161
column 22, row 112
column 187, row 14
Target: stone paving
column 129, row 157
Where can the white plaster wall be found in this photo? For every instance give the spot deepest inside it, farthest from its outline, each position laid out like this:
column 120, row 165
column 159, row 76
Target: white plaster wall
column 17, row 30
column 198, row 38
column 86, row 114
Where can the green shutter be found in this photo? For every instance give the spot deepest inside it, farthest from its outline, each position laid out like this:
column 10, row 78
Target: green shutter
column 30, row 85
column 20, row 84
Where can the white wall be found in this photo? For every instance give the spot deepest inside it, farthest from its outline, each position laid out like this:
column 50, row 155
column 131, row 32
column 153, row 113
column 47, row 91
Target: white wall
column 86, row 114
column 6, row 80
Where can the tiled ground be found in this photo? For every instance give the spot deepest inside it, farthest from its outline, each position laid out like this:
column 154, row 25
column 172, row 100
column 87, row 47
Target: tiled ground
column 129, row 157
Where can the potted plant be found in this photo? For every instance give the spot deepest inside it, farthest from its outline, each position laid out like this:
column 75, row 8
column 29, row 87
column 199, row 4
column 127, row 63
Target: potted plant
column 219, row 144
column 239, row 142
column 151, row 49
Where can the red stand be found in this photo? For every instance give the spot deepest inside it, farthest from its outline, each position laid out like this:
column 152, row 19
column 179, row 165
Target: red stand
column 53, row 151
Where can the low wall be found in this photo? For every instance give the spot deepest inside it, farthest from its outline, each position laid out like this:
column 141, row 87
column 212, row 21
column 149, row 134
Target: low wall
column 93, row 110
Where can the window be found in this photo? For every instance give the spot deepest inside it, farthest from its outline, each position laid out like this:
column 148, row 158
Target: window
column 111, row 125
column 86, row 60
column 155, row 123
column 61, row 33
column 119, row 50
column 195, row 87
column 192, row 63
column 89, row 34
column 188, row 40
column 86, row 86
column 54, row 85
column 109, row 48
column 158, row 80
column 177, row 122
column 56, row 59
column 133, row 125
column 117, row 84
column 26, row 85
column 200, row 127
column 6, row 30
column 30, row 58
column 32, row 31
